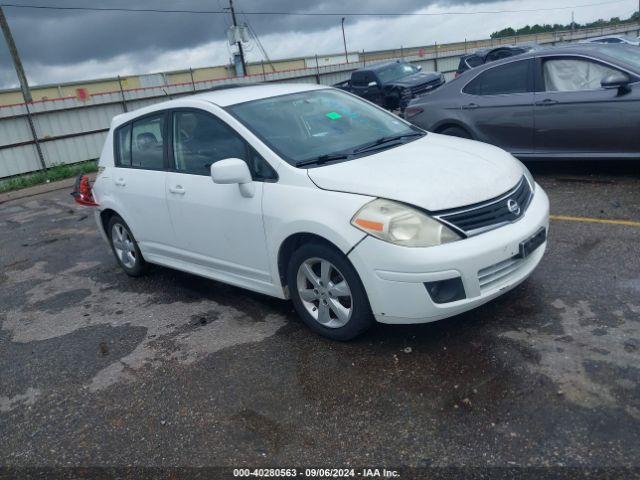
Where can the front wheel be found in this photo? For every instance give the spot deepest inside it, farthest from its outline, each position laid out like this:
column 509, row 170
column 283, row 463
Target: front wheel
column 327, row 292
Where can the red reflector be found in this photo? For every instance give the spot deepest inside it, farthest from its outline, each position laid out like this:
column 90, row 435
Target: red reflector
column 82, row 193
column 412, row 111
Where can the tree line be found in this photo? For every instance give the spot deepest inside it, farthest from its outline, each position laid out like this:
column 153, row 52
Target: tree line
column 533, row 29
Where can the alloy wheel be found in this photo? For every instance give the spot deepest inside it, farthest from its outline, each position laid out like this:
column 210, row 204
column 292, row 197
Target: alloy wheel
column 123, row 245
column 324, row 292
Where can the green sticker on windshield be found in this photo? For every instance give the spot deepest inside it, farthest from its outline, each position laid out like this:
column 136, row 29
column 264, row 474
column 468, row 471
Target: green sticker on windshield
column 333, row 115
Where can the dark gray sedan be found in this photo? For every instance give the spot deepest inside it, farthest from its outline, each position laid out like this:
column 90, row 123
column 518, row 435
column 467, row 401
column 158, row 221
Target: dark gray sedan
column 574, row 101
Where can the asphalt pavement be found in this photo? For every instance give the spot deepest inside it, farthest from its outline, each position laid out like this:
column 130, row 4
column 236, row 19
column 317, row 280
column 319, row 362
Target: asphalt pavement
column 99, row 369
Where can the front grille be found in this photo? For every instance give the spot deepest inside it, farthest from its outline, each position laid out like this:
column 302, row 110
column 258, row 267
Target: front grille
column 495, row 275
column 478, row 218
column 425, row 87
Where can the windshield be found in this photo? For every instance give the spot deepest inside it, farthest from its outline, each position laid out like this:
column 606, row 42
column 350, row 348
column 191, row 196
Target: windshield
column 625, row 53
column 307, row 125
column 395, row 71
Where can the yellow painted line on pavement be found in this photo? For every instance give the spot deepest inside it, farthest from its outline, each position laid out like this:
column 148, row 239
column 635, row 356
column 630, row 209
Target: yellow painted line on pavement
column 628, row 223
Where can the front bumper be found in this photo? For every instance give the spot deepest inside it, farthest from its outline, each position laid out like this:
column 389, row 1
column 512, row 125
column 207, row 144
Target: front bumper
column 394, row 276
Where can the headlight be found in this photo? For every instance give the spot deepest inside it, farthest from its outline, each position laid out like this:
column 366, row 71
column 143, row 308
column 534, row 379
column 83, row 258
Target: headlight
column 527, row 174
column 400, row 224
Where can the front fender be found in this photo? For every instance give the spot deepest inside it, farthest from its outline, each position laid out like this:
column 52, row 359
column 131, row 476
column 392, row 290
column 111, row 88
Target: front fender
column 294, row 209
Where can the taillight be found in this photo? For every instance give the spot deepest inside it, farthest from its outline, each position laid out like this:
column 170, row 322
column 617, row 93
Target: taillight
column 412, row 111
column 82, row 193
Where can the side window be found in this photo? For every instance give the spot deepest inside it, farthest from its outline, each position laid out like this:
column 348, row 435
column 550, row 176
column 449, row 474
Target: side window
column 123, row 146
column 369, row 77
column 200, row 139
column 147, row 143
column 572, row 75
column 359, row 79
column 473, row 61
column 506, row 79
column 496, row 55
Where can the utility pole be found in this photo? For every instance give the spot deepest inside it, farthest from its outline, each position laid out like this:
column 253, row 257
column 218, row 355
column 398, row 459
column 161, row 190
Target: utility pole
column 344, row 40
column 24, row 85
column 239, row 43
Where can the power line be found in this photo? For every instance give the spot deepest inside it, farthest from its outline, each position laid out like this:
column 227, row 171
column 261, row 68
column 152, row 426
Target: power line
column 303, row 14
column 258, row 42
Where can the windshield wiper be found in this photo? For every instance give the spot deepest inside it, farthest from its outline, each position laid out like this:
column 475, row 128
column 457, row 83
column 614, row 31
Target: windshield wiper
column 382, row 140
column 322, row 159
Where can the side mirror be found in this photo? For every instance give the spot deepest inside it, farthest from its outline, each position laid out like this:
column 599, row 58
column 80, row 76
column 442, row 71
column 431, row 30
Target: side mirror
column 617, row 80
column 233, row 170
column 419, row 67
column 372, row 84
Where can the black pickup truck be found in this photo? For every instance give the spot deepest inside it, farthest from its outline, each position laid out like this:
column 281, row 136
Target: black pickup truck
column 391, row 84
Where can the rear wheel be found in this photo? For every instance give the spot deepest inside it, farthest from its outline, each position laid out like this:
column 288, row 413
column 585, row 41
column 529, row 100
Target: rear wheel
column 327, row 292
column 125, row 248
column 456, row 132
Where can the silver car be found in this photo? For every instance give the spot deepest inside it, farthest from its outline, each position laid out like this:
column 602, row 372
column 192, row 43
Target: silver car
column 574, row 101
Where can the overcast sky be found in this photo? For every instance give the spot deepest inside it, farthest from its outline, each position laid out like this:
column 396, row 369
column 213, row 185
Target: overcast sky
column 63, row 46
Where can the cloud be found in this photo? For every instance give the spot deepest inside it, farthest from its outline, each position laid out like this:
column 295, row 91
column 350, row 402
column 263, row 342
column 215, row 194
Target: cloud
column 60, row 46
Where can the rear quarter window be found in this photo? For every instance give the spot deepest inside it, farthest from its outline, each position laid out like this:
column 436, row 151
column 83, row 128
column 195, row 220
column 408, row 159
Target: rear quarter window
column 122, row 154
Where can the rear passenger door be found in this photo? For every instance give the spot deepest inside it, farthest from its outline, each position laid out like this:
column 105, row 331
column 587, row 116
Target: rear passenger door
column 576, row 117
column 139, row 180
column 498, row 106
column 218, row 229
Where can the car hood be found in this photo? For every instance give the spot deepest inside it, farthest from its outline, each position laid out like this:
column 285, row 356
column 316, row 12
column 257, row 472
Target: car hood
column 416, row 79
column 435, row 172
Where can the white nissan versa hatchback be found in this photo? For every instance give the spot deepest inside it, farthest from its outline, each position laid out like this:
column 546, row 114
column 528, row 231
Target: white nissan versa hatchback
column 310, row 193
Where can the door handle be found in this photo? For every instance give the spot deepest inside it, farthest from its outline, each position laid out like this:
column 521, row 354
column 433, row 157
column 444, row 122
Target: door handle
column 120, row 182
column 470, row 106
column 547, row 102
column 177, row 189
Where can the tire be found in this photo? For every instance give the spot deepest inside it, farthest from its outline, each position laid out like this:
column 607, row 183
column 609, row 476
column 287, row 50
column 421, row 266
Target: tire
column 128, row 255
column 340, row 313
column 456, row 132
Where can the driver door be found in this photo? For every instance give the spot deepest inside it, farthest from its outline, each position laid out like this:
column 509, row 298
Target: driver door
column 217, row 229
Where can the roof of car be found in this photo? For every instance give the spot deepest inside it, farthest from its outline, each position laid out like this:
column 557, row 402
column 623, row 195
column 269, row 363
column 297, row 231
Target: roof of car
column 627, row 37
column 224, row 97
column 597, row 49
column 232, row 96
column 378, row 66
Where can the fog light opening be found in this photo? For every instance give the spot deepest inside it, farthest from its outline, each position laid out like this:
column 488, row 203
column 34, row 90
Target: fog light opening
column 445, row 291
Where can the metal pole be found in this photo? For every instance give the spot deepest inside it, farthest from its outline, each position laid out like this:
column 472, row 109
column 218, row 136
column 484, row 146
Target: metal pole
column 317, row 71
column 124, row 100
column 264, row 75
column 193, row 83
column 344, row 40
column 13, row 50
column 36, row 142
column 24, row 84
column 435, row 56
column 233, row 17
column 364, row 59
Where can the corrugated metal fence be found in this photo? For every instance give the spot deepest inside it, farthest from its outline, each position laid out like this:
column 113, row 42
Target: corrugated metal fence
column 70, row 130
